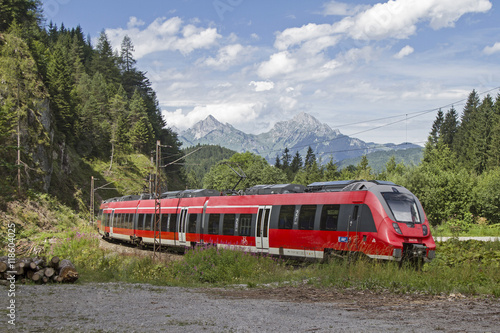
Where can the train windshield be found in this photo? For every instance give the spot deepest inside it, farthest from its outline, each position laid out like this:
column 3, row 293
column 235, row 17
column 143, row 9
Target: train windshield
column 403, row 207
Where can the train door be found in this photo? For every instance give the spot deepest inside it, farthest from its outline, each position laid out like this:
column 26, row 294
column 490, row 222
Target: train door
column 352, row 229
column 111, row 222
column 262, row 229
column 182, row 226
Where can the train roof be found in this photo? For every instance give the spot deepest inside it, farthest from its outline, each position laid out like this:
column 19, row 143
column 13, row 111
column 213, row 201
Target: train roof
column 275, row 189
column 345, row 185
column 328, row 186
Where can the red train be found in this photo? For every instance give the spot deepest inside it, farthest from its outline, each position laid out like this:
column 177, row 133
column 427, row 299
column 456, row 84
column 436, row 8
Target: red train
column 377, row 218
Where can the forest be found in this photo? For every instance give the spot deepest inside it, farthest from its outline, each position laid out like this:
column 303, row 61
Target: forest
column 67, row 105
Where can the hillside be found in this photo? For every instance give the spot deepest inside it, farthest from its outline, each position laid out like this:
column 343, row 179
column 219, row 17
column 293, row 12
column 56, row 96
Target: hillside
column 377, row 161
column 200, row 158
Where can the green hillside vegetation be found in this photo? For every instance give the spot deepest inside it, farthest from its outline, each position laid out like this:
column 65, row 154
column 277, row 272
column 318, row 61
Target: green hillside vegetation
column 377, row 161
column 200, row 159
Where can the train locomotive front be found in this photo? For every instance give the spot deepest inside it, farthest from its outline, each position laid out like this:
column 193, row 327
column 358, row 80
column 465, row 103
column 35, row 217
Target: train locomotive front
column 376, row 218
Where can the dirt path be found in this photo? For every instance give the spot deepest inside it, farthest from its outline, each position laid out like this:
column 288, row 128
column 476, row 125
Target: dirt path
column 122, row 307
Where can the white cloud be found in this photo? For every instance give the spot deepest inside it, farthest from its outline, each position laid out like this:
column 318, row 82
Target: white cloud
column 492, row 49
column 233, row 113
column 295, row 36
column 262, row 85
column 134, row 22
column 407, row 50
column 278, row 63
column 164, row 34
column 398, row 18
column 341, row 8
column 228, row 56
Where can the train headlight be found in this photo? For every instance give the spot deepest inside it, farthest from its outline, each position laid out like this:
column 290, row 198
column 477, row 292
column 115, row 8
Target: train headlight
column 425, row 230
column 396, row 228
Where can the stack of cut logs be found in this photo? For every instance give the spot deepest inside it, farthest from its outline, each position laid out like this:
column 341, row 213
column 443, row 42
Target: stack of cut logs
column 39, row 270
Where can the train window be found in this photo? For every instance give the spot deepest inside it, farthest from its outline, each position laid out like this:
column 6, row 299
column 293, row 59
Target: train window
column 140, row 222
column 245, row 225
column 149, row 222
column 192, row 223
column 306, row 217
column 213, row 224
column 228, row 224
column 172, row 222
column 285, row 220
column 329, row 217
column 164, row 222
column 403, row 207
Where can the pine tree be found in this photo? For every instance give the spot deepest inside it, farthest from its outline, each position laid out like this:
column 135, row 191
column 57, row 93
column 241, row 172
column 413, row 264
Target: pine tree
column 141, row 135
column 22, row 93
column 104, row 61
column 331, row 171
column 126, row 54
column 310, row 157
column 481, row 134
column 494, row 146
column 277, row 163
column 448, row 129
column 118, row 114
column 463, row 144
column 436, row 128
column 296, row 163
column 60, row 86
column 364, row 170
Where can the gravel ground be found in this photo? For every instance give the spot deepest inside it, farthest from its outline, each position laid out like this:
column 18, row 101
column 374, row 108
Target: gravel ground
column 121, row 307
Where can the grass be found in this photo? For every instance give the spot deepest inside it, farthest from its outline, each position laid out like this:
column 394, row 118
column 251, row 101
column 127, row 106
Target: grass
column 470, row 267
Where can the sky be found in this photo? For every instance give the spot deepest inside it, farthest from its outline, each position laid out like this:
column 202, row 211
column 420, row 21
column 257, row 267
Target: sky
column 375, row 70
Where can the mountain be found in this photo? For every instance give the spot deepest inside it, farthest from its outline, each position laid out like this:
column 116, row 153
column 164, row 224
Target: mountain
column 297, row 134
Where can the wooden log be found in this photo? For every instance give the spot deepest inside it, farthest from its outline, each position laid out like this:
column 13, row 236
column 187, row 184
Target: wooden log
column 67, row 271
column 3, row 267
column 29, row 274
column 37, row 277
column 49, row 271
column 33, row 266
column 54, row 262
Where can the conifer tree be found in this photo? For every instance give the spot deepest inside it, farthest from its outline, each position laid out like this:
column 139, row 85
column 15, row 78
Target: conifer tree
column 296, row 163
column 494, row 145
column 60, row 85
column 463, row 143
column 21, row 95
column 104, row 61
column 436, row 129
column 310, row 157
column 448, row 129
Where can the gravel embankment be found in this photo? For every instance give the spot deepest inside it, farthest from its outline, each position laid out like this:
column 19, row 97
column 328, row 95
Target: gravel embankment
column 120, row 307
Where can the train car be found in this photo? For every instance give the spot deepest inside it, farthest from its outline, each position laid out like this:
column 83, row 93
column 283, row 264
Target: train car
column 376, row 218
